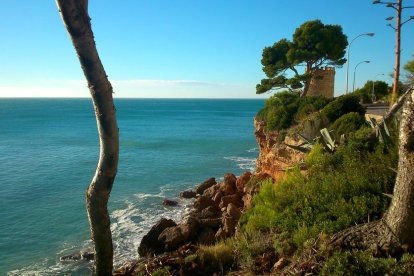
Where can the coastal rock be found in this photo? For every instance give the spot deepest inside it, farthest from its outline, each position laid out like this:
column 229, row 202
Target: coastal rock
column 205, row 185
column 229, row 186
column 188, row 194
column 169, row 202
column 203, row 202
column 234, row 199
column 274, row 156
column 217, row 196
column 83, row 255
column 233, row 211
column 173, row 237
column 206, row 236
column 210, row 192
column 243, row 180
column 150, row 243
column 211, row 222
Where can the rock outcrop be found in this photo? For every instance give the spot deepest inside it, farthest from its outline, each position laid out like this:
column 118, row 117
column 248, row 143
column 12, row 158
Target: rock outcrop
column 275, row 157
column 215, row 214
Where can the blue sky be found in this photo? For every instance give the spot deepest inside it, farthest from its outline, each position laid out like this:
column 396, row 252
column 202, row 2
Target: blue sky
column 182, row 48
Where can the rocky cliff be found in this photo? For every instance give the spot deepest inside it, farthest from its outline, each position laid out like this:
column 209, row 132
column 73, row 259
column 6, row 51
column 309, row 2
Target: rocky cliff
column 275, row 157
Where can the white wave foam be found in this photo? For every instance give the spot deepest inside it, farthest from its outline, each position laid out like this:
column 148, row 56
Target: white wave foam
column 244, row 163
column 253, row 150
column 128, row 225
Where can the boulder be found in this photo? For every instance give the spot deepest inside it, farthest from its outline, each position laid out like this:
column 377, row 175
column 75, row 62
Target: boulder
column 206, row 236
column 210, row 222
column 229, row 185
column 233, row 211
column 205, row 185
column 188, row 194
column 83, row 255
column 234, row 199
column 169, row 202
column 243, row 180
column 217, row 197
column 203, row 202
column 150, row 243
column 210, row 192
column 172, row 237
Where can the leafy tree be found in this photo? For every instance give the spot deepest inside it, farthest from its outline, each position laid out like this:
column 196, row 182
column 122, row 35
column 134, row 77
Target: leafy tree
column 314, row 45
column 76, row 19
column 381, row 91
column 409, row 67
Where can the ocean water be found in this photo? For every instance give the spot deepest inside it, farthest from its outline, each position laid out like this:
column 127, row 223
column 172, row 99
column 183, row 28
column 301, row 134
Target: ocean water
column 49, row 150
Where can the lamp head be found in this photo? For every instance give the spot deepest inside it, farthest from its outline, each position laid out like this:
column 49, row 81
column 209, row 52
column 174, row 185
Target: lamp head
column 376, row 2
column 370, row 34
column 389, row 18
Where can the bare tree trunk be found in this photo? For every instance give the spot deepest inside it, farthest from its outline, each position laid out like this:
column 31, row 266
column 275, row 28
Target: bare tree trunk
column 76, row 19
column 393, row 234
column 397, row 53
column 400, row 215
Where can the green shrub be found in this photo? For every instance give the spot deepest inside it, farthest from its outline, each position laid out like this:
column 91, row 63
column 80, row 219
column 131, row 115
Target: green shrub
column 347, row 123
column 284, row 109
column 215, row 257
column 363, row 263
column 248, row 247
column 339, row 190
column 342, row 105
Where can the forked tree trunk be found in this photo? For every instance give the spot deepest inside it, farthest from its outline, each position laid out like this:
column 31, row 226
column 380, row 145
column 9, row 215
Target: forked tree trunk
column 400, row 215
column 76, row 19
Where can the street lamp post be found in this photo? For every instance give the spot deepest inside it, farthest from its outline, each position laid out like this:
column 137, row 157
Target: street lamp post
column 398, row 7
column 356, row 66
column 373, row 85
column 347, row 59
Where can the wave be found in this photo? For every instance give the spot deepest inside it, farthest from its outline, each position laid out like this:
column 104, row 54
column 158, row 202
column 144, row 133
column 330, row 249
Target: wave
column 128, row 225
column 244, row 163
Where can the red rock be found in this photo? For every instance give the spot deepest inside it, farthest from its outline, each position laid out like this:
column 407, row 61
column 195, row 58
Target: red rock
column 188, row 194
column 203, row 202
column 229, row 186
column 211, row 191
column 217, row 197
column 206, row 236
column 234, row 198
column 150, row 243
column 205, row 185
column 243, row 180
column 233, row 211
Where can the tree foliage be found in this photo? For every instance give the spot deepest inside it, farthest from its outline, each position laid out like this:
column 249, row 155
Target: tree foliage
column 313, row 46
column 409, row 68
column 381, row 91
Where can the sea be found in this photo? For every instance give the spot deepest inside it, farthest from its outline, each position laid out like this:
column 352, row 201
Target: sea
column 48, row 154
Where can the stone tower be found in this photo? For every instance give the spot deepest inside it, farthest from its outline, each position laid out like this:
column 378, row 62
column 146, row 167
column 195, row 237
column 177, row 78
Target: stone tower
column 322, row 83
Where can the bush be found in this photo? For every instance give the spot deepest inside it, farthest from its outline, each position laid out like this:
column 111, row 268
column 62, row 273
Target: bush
column 342, row 105
column 249, row 247
column 347, row 123
column 215, row 257
column 339, row 190
column 284, row 109
column 363, row 263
